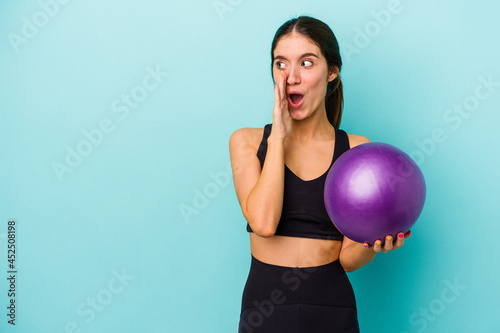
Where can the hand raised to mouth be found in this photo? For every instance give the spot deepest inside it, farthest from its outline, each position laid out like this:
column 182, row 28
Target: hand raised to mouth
column 282, row 121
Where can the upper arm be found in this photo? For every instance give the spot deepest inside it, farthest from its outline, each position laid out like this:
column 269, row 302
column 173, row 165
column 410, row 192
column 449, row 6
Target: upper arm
column 244, row 163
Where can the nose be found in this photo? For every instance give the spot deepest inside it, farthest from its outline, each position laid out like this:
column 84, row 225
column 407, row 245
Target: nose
column 293, row 76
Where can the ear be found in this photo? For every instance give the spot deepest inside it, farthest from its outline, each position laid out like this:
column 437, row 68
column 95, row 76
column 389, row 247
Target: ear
column 333, row 73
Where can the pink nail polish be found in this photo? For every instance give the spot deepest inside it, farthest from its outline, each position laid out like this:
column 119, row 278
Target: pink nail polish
column 365, row 245
column 401, row 235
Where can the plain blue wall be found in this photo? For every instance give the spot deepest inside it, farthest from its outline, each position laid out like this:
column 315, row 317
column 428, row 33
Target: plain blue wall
column 147, row 224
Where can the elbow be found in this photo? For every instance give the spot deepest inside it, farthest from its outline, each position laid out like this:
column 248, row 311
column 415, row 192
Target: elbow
column 348, row 269
column 264, row 231
column 345, row 265
column 261, row 225
column 262, row 228
column 264, row 234
column 267, row 233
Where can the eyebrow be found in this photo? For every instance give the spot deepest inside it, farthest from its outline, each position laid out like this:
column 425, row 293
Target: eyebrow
column 302, row 56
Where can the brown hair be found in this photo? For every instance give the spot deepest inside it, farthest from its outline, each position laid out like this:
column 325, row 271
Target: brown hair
column 321, row 34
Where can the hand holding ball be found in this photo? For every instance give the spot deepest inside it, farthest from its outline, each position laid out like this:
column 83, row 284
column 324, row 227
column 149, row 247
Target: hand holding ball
column 374, row 190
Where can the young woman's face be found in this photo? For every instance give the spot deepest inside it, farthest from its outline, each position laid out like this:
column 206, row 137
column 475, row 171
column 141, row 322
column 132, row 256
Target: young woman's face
column 307, row 74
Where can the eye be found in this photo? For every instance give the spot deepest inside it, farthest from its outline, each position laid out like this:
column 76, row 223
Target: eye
column 307, row 63
column 280, row 64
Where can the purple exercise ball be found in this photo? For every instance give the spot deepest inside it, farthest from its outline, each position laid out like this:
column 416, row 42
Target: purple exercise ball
column 374, row 190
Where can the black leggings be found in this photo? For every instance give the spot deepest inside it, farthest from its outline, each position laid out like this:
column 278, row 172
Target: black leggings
column 298, row 300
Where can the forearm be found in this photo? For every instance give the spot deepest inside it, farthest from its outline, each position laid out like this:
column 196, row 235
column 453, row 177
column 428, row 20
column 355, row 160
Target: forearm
column 355, row 256
column 265, row 201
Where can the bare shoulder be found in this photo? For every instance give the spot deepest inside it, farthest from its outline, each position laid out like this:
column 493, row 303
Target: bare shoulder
column 246, row 138
column 356, row 140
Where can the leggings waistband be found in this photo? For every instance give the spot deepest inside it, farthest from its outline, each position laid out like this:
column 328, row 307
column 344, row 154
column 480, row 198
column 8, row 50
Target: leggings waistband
column 279, row 270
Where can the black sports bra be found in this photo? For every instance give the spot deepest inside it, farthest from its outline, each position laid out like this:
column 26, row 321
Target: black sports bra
column 304, row 213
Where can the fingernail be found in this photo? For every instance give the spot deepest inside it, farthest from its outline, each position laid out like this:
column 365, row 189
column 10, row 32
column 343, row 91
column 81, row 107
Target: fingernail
column 365, row 244
column 378, row 242
column 401, row 235
column 389, row 238
column 281, row 73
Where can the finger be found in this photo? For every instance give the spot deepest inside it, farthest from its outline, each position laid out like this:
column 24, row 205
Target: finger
column 283, row 87
column 377, row 246
column 388, row 243
column 400, row 239
column 281, row 80
column 408, row 234
column 276, row 94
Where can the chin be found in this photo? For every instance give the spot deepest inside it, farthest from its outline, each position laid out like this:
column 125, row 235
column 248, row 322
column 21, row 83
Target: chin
column 298, row 114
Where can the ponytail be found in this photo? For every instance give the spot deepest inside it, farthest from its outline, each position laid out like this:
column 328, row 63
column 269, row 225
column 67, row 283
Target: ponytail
column 334, row 102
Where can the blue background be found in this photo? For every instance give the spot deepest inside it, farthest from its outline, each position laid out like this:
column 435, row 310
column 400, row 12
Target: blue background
column 153, row 200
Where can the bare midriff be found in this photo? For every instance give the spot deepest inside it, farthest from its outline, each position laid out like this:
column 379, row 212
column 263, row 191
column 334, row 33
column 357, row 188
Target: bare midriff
column 294, row 251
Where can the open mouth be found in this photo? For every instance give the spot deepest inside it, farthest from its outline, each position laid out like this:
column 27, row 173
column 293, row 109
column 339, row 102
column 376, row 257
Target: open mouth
column 295, row 100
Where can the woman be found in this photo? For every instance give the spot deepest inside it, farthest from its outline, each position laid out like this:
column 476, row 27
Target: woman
column 297, row 280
